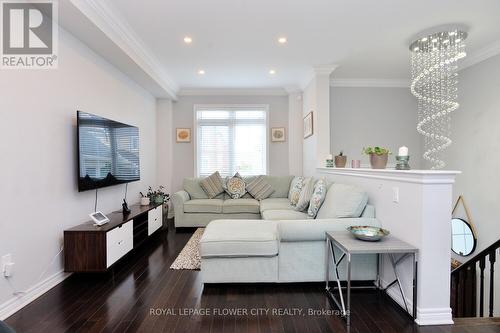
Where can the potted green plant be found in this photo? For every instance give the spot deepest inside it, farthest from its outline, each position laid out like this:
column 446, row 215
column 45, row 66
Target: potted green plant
column 378, row 156
column 158, row 196
column 340, row 160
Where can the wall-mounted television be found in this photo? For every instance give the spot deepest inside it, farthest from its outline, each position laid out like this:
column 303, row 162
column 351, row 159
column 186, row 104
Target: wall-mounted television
column 108, row 152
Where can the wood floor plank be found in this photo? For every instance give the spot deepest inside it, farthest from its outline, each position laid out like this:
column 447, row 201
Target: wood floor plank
column 121, row 301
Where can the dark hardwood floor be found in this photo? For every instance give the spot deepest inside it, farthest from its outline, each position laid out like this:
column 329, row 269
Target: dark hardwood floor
column 123, row 301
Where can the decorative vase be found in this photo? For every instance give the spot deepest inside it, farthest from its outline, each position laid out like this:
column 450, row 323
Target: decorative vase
column 145, row 201
column 340, row 161
column 378, row 161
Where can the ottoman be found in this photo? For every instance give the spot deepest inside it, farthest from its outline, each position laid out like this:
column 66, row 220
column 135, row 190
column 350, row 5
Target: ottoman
column 239, row 251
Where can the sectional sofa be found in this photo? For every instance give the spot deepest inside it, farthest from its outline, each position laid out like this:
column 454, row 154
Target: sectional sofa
column 193, row 208
column 247, row 241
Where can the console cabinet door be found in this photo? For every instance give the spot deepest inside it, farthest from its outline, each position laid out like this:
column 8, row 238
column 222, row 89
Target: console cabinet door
column 155, row 219
column 119, row 242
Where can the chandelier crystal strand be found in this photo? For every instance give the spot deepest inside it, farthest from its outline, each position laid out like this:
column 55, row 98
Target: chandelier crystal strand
column 435, row 83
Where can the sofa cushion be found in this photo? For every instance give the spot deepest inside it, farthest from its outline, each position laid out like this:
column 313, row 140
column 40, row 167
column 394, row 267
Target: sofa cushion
column 343, row 201
column 314, row 230
column 274, row 203
column 232, row 206
column 235, row 186
column 295, row 188
column 283, row 214
column 239, row 238
column 193, row 187
column 259, row 188
column 280, row 184
column 203, row 206
column 212, row 185
column 305, row 194
column 317, row 198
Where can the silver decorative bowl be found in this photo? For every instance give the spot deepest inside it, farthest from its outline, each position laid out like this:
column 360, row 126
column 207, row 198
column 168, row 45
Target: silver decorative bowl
column 368, row 233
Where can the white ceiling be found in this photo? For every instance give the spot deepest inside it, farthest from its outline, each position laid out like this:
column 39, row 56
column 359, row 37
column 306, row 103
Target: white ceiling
column 235, row 41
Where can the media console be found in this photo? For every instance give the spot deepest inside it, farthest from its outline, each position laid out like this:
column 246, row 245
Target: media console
column 91, row 248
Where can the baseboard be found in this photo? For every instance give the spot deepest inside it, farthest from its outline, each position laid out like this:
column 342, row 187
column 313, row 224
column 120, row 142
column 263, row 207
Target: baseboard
column 433, row 316
column 16, row 303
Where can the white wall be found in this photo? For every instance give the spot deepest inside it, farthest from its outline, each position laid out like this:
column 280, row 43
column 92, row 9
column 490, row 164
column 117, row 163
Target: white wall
column 39, row 192
column 183, row 153
column 374, row 116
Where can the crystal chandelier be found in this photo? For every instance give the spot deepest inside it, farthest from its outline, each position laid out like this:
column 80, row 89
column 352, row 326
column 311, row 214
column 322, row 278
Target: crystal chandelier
column 434, row 84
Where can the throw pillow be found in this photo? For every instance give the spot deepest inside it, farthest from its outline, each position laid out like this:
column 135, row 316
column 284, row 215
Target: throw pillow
column 343, row 201
column 305, row 195
column 317, row 198
column 295, row 188
column 235, row 186
column 259, row 188
column 212, row 185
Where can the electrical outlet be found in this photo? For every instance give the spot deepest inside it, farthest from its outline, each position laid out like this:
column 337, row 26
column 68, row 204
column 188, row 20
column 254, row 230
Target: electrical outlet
column 7, row 265
column 395, row 194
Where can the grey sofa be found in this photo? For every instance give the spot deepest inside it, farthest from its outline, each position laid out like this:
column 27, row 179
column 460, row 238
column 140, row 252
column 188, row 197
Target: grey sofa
column 192, row 207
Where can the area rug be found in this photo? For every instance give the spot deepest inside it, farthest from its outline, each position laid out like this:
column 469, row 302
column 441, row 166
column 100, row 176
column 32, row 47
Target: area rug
column 189, row 258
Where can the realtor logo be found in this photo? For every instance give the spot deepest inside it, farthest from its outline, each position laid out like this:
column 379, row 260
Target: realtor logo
column 29, row 34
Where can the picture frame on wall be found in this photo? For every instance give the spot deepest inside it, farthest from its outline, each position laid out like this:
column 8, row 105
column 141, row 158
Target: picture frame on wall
column 183, row 135
column 308, row 125
column 278, row 134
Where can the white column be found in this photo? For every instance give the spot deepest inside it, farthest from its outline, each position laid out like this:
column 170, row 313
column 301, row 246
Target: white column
column 420, row 214
column 295, row 133
column 164, row 143
column 316, row 98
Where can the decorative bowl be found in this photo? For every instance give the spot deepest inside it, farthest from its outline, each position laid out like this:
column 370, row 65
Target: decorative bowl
column 368, row 233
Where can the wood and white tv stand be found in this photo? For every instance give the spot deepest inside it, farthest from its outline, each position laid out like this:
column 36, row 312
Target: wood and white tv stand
column 91, row 248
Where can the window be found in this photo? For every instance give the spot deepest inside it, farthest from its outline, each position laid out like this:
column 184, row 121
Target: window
column 231, row 139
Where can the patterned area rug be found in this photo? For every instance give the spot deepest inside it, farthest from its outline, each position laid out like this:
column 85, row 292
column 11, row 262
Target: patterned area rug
column 189, row 258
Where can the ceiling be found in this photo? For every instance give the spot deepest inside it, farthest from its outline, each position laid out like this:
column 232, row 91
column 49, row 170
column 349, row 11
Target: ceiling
column 235, row 41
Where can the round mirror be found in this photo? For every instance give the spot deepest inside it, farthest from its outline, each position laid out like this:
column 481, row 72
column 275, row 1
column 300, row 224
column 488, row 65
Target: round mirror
column 463, row 241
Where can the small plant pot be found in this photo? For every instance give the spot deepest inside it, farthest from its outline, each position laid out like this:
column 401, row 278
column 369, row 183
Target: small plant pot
column 340, row 161
column 158, row 199
column 378, row 161
column 145, row 201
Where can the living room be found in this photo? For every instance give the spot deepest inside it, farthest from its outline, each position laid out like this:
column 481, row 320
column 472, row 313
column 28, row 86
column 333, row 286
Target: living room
column 256, row 134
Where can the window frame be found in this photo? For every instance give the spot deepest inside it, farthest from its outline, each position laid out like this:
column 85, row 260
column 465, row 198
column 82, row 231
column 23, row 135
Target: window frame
column 230, row 107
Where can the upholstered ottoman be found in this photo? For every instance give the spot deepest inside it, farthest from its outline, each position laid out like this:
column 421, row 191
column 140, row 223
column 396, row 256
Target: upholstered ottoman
column 239, row 251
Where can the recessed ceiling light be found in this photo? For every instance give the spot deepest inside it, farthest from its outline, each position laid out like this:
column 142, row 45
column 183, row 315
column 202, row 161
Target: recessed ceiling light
column 201, row 72
column 188, row 40
column 282, row 40
column 272, row 72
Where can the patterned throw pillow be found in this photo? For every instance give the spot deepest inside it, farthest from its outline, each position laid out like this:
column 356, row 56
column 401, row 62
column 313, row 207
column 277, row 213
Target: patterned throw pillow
column 235, row 186
column 295, row 188
column 305, row 195
column 259, row 188
column 317, row 198
column 212, row 185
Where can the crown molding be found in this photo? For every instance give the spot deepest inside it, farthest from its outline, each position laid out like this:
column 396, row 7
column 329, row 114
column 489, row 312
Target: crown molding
column 324, row 69
column 482, row 54
column 232, row 92
column 107, row 20
column 374, row 83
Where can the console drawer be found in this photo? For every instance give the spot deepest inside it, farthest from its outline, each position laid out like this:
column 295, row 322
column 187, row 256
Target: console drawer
column 155, row 219
column 119, row 242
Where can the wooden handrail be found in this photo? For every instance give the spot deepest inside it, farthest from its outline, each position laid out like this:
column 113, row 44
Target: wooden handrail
column 464, row 284
column 477, row 257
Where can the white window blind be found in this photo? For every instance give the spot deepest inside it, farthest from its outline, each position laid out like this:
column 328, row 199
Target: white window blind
column 231, row 139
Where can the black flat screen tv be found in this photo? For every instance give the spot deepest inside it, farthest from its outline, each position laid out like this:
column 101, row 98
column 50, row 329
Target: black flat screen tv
column 108, row 152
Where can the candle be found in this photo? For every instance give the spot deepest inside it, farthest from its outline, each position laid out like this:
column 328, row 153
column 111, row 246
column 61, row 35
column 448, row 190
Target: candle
column 329, row 157
column 403, row 151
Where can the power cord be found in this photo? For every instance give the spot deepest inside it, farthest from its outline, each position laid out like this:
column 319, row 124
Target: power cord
column 16, row 292
column 95, row 204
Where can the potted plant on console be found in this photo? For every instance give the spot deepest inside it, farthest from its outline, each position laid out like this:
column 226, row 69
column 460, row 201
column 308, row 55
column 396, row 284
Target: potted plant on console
column 158, row 196
column 378, row 156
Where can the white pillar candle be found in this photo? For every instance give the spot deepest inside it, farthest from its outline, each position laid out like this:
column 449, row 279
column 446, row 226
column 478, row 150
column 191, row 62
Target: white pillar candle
column 403, row 151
